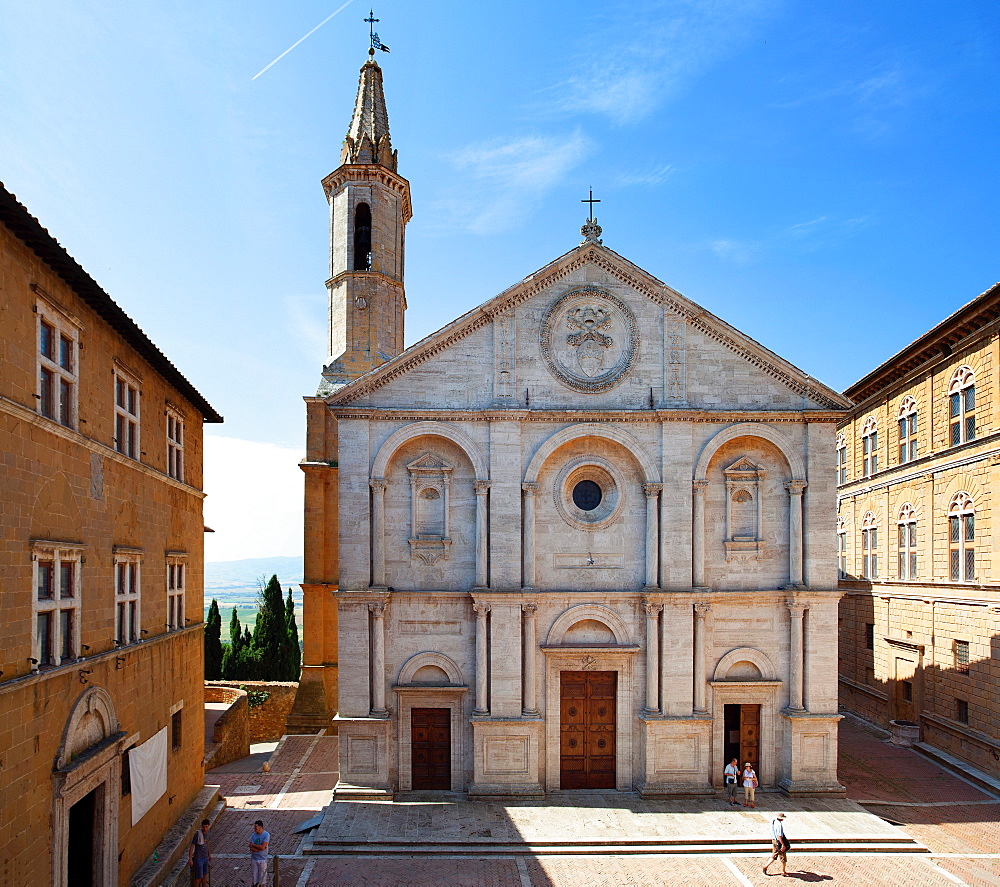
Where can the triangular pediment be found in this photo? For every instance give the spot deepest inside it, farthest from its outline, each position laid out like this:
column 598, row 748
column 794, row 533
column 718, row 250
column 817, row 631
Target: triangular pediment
column 608, row 270
column 742, row 464
column 429, row 462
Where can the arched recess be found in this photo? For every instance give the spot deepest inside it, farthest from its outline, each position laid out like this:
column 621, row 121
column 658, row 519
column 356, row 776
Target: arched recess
column 91, row 721
column 651, row 474
column 438, row 660
column 588, row 611
column 750, row 429
column 746, row 654
column 429, row 429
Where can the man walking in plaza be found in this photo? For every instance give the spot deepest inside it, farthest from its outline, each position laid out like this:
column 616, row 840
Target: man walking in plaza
column 200, row 854
column 779, row 844
column 258, row 853
column 732, row 774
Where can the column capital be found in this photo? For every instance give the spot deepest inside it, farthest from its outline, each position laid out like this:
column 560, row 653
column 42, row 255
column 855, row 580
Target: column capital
column 796, row 609
column 481, row 609
column 795, row 487
column 653, row 609
column 377, row 483
column 702, row 609
column 529, row 489
column 482, row 487
column 377, row 609
column 699, row 484
column 652, row 490
column 529, row 610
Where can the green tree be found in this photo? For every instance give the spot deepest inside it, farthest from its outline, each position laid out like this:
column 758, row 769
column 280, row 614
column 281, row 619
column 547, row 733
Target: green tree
column 269, row 634
column 293, row 655
column 213, row 643
column 231, row 656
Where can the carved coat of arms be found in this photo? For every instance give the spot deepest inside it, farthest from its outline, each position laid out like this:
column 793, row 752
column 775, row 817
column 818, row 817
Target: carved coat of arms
column 590, row 343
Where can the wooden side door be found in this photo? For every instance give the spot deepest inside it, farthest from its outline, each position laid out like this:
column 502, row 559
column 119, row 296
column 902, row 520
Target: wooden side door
column 750, row 737
column 587, row 729
column 430, row 748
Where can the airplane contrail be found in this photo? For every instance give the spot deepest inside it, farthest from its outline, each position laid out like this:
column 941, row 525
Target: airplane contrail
column 297, row 42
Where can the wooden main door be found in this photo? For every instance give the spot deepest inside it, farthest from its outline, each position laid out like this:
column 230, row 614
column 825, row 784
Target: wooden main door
column 742, row 736
column 587, row 729
column 430, row 748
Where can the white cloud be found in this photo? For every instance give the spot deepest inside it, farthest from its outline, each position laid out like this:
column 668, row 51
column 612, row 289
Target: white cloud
column 649, row 177
column 254, row 499
column 501, row 179
column 813, row 235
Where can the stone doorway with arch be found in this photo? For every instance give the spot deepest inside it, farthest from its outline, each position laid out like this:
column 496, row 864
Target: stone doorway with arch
column 86, row 793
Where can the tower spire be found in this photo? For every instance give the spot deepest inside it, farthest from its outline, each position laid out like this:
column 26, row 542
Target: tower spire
column 368, row 139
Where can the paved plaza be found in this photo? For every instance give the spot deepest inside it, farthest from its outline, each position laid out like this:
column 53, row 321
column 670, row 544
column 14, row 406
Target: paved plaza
column 906, row 822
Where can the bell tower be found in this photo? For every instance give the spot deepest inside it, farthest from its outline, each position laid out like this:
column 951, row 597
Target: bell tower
column 369, row 208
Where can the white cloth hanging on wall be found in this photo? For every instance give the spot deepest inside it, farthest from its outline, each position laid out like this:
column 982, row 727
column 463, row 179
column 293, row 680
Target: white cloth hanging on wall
column 148, row 766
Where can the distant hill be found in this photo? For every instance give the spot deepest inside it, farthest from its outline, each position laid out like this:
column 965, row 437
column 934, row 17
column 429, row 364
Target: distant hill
column 245, row 573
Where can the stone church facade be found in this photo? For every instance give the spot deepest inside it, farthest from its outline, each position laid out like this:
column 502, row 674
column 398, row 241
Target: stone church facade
column 581, row 537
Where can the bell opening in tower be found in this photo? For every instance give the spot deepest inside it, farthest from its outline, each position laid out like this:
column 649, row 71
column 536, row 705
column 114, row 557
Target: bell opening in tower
column 362, row 238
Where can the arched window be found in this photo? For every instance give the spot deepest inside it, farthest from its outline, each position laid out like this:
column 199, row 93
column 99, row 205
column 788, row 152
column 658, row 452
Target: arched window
column 841, row 549
column 869, row 547
column 869, row 446
column 362, row 237
column 907, row 523
column 907, row 430
column 962, row 405
column 841, row 459
column 962, row 538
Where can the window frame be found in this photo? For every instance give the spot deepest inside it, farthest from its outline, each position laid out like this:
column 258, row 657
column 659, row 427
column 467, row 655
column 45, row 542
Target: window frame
column 176, row 587
column 841, row 464
column 962, row 406
column 128, row 595
column 869, row 447
column 961, row 651
column 57, row 385
column 961, row 538
column 175, row 444
column 126, row 419
column 907, row 424
column 906, row 561
column 53, row 606
column 841, row 549
column 869, row 546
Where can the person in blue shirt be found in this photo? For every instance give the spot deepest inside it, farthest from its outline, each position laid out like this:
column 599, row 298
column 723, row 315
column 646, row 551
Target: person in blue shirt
column 258, row 853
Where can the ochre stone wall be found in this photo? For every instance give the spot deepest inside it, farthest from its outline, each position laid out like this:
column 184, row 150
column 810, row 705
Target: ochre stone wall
column 231, row 736
column 267, row 721
column 68, row 484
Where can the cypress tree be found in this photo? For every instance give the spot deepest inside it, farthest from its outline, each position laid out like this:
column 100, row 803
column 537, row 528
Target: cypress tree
column 231, row 657
column 269, row 634
column 213, row 643
column 293, row 655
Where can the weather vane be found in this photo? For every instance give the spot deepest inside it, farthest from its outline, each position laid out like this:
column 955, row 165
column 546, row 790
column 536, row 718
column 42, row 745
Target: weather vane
column 591, row 231
column 376, row 43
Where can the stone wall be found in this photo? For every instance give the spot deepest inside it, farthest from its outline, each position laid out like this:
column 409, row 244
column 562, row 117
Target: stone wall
column 231, row 738
column 267, row 720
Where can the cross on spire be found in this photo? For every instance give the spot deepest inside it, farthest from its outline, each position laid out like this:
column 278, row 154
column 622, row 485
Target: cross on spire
column 591, row 200
column 376, row 43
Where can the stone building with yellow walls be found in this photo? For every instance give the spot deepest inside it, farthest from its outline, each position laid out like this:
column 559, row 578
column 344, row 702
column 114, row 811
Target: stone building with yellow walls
column 577, row 538
column 101, row 540
column 918, row 461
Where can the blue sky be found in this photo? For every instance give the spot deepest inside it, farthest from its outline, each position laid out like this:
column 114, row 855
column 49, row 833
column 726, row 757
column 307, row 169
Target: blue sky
column 822, row 176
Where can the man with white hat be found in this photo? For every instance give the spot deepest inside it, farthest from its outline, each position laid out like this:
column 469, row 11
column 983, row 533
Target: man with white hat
column 779, row 844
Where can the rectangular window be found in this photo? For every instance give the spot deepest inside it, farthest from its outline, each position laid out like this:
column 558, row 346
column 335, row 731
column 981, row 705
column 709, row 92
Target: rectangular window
column 126, row 774
column 962, row 657
column 57, row 601
column 962, row 711
column 176, row 575
column 907, row 691
column 57, row 365
column 126, row 415
column 175, row 446
column 128, row 595
column 962, row 415
column 869, row 636
column 175, row 729
column 841, row 555
column 842, row 465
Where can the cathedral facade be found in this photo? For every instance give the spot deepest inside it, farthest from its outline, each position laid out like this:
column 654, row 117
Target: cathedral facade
column 579, row 538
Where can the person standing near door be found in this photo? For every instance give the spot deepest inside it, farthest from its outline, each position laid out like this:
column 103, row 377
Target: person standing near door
column 749, row 785
column 732, row 775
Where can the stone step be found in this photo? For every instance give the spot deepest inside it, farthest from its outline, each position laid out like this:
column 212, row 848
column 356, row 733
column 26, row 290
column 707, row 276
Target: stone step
column 833, row 845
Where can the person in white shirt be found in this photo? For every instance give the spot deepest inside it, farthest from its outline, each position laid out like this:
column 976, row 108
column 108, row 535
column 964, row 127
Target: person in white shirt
column 749, row 786
column 779, row 844
column 732, row 775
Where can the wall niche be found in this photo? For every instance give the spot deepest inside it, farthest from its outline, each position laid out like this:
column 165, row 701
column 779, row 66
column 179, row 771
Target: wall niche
column 430, row 488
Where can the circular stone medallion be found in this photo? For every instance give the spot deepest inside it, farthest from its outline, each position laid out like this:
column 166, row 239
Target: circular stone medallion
column 589, row 339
